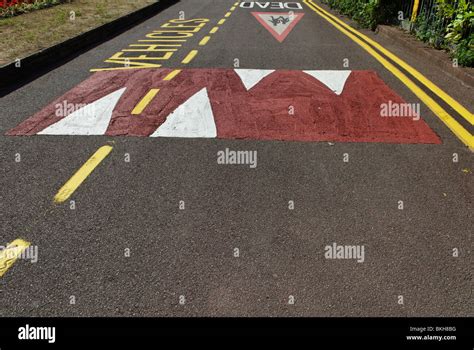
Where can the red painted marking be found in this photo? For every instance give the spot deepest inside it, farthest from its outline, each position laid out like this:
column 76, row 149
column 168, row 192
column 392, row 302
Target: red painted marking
column 272, row 29
column 260, row 113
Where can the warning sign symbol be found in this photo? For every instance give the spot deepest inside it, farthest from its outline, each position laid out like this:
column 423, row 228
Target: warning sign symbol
column 277, row 23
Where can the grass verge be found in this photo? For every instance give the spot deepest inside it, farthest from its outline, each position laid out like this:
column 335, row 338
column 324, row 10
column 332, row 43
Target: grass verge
column 30, row 32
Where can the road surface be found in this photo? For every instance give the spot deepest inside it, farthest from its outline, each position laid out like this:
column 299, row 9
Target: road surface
column 334, row 210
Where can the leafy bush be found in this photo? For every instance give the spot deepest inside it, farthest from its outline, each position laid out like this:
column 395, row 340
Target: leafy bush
column 459, row 32
column 430, row 29
column 464, row 52
column 8, row 3
column 368, row 13
column 363, row 11
column 18, row 7
column 449, row 27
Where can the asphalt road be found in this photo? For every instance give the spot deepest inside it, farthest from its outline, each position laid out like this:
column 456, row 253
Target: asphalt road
column 173, row 253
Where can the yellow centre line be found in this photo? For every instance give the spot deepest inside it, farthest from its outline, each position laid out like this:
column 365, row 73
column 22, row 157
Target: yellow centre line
column 172, row 74
column 448, row 120
column 78, row 178
column 232, row 8
column 190, row 56
column 145, row 101
column 10, row 254
column 204, row 40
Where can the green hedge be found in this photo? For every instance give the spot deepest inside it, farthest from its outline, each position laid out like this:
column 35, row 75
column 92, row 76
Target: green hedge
column 449, row 27
column 368, row 13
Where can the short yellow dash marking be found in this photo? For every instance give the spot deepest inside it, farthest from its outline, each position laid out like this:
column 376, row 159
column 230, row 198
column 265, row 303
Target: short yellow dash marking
column 145, row 101
column 172, row 74
column 11, row 253
column 221, row 21
column 236, row 3
column 232, row 8
column 78, row 178
column 164, row 40
column 190, row 56
column 151, row 40
column 123, row 68
column 204, row 40
column 213, row 30
column 228, row 14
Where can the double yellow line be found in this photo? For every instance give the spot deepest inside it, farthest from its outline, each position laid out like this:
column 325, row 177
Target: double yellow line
column 371, row 46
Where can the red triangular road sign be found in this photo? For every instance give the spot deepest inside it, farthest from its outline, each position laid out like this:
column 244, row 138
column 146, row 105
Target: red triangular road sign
column 279, row 24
